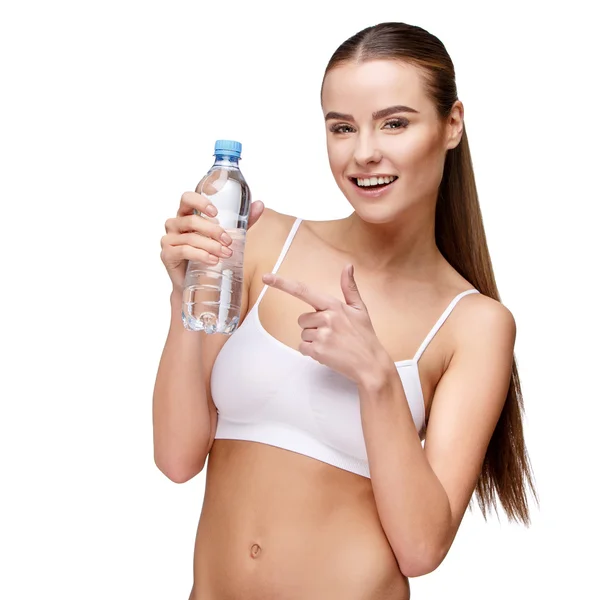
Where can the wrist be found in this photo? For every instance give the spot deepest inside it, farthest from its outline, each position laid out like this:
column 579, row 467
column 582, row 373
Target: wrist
column 176, row 298
column 378, row 375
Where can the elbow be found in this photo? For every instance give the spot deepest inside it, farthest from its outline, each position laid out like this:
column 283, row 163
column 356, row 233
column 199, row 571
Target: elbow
column 427, row 548
column 419, row 566
column 177, row 476
column 178, row 471
column 179, row 463
column 424, row 561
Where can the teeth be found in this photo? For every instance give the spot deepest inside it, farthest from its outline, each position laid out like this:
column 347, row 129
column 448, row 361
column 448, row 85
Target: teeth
column 375, row 181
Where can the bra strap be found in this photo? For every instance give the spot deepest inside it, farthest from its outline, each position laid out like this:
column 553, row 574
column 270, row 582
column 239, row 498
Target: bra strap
column 286, row 246
column 440, row 322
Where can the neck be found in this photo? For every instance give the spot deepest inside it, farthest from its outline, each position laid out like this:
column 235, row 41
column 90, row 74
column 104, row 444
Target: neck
column 406, row 246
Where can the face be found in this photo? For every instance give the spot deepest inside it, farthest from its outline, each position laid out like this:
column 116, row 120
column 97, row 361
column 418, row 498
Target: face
column 381, row 124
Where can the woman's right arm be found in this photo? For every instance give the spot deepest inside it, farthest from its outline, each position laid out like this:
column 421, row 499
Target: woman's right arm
column 183, row 413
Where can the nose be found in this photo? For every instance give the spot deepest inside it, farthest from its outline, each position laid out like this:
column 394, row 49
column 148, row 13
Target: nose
column 366, row 150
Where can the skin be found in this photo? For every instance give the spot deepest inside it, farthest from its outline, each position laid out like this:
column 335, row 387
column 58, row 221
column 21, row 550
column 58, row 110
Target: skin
column 265, row 531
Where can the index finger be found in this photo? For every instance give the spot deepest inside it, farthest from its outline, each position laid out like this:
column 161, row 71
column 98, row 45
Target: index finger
column 192, row 203
column 300, row 290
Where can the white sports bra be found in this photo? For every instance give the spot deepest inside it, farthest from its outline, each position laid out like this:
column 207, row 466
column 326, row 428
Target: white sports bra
column 267, row 392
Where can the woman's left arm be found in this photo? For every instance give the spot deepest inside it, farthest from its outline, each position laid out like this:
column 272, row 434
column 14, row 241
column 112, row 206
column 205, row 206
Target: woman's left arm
column 423, row 493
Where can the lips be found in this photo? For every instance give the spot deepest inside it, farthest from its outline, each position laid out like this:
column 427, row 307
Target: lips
column 372, row 191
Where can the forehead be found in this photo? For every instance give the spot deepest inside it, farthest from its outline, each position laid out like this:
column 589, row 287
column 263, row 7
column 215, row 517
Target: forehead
column 365, row 87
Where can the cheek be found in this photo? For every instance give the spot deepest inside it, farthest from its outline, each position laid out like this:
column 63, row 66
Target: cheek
column 418, row 149
column 420, row 159
column 338, row 158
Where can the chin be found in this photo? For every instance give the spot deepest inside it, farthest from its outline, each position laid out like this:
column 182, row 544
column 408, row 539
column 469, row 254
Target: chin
column 377, row 214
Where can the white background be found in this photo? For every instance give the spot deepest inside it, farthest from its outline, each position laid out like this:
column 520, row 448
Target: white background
column 109, row 111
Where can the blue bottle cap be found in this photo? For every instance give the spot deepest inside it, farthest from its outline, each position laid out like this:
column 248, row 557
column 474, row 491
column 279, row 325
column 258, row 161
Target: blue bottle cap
column 228, row 148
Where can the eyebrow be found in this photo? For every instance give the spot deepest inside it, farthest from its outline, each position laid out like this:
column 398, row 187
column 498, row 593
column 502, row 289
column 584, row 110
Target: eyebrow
column 380, row 114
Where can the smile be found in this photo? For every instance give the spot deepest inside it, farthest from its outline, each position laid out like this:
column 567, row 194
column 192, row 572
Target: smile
column 373, row 187
column 376, row 181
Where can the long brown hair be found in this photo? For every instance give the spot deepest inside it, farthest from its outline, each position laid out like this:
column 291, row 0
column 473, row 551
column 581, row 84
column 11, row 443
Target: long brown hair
column 460, row 237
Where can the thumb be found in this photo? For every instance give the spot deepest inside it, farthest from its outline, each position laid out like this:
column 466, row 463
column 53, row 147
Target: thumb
column 256, row 210
column 350, row 289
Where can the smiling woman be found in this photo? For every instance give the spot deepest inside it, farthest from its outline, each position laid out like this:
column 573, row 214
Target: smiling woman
column 412, row 136
column 376, row 388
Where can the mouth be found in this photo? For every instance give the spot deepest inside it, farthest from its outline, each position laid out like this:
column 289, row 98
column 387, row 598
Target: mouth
column 373, row 186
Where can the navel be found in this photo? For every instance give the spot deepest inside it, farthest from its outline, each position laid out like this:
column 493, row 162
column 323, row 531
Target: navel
column 255, row 551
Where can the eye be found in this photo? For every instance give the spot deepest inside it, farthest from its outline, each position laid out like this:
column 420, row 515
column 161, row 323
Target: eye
column 396, row 123
column 341, row 128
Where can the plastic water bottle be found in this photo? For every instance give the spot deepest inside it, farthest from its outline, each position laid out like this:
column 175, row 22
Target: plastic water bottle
column 212, row 295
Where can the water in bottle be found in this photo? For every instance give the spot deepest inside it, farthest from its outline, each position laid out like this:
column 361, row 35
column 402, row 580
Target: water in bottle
column 212, row 295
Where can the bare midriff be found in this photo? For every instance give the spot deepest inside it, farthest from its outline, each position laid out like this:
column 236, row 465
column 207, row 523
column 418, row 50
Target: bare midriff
column 278, row 525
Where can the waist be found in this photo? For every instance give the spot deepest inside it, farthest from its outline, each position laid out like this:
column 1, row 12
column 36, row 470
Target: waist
column 274, row 520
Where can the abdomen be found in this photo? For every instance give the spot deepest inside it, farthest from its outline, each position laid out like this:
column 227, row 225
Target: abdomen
column 277, row 524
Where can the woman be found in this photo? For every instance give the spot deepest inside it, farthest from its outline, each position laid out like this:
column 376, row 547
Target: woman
column 321, row 481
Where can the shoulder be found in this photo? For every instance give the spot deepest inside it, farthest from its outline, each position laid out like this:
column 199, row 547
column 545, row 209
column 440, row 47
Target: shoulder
column 266, row 237
column 483, row 321
column 272, row 223
column 270, row 230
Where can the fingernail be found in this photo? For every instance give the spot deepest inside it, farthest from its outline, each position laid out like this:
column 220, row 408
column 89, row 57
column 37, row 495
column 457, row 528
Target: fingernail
column 225, row 239
column 211, row 210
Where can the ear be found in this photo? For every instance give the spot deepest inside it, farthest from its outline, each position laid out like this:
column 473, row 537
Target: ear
column 455, row 125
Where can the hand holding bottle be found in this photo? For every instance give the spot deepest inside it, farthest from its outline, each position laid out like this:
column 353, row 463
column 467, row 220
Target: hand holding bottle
column 192, row 236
